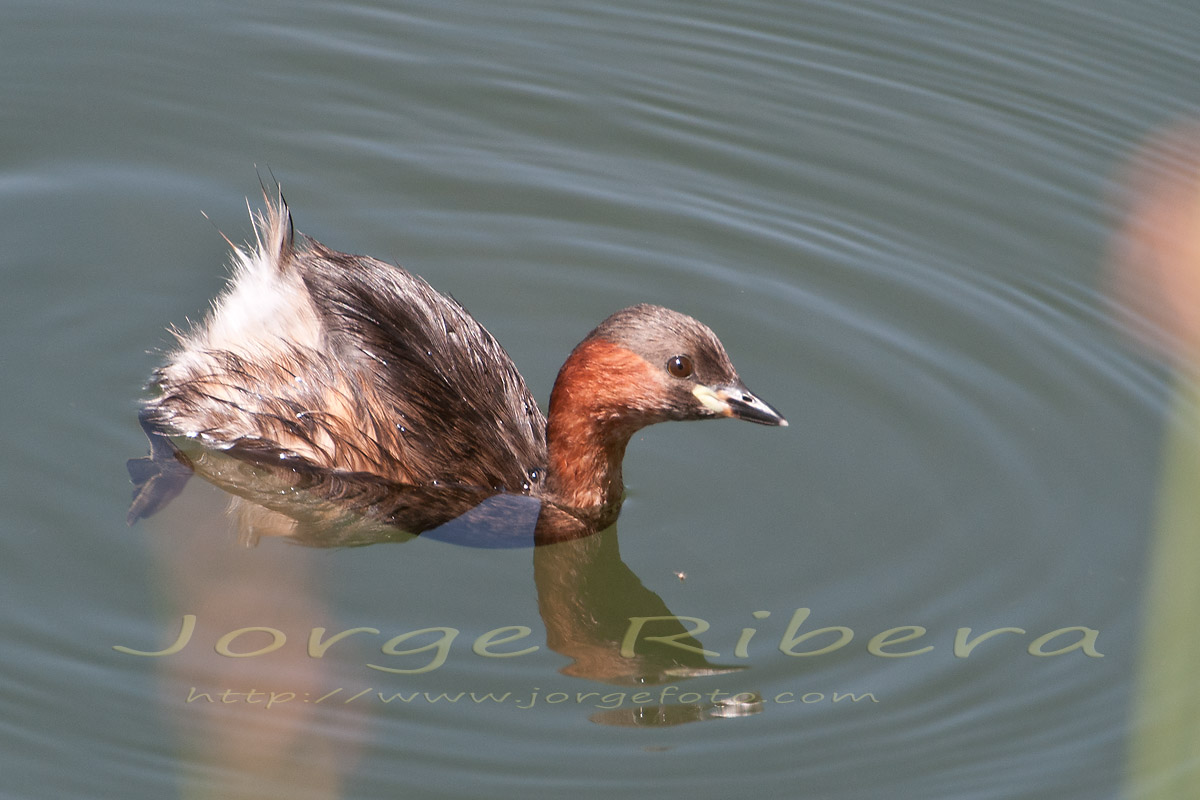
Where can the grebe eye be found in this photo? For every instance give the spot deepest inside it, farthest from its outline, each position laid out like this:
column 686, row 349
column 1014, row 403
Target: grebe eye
column 679, row 366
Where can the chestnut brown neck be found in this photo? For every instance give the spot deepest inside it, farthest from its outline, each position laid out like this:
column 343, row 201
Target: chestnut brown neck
column 594, row 410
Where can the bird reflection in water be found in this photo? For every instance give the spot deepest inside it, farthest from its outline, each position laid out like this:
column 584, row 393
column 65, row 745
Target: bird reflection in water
column 586, row 593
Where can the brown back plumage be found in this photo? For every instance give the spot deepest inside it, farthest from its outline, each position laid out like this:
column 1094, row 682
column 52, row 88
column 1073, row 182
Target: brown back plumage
column 351, row 364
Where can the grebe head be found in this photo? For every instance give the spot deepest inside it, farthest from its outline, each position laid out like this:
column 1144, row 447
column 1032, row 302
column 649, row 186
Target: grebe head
column 642, row 365
column 658, row 364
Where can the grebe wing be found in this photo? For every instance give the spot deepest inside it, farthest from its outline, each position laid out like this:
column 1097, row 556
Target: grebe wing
column 452, row 396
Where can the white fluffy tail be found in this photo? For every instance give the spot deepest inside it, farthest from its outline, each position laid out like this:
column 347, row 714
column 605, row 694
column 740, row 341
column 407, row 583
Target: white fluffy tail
column 266, row 302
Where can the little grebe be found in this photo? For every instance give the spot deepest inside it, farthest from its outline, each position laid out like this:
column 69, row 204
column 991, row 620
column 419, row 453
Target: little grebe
column 350, row 365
